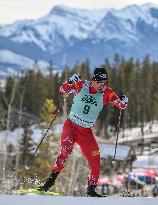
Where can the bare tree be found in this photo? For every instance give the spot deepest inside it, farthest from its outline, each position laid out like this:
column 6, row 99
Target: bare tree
column 8, row 127
column 19, row 125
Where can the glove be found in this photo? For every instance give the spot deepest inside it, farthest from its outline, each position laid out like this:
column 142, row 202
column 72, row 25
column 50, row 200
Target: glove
column 124, row 99
column 73, row 79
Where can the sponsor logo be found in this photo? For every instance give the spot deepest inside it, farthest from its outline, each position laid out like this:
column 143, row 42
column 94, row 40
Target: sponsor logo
column 95, row 153
column 89, row 99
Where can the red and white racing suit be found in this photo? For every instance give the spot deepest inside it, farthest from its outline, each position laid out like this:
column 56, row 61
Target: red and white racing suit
column 84, row 137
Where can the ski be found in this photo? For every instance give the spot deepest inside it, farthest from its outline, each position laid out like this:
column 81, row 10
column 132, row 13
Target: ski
column 34, row 192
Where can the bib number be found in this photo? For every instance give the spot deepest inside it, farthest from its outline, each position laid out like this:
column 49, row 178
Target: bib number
column 86, row 109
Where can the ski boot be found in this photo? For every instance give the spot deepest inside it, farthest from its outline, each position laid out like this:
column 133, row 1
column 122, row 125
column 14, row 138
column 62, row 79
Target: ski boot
column 92, row 193
column 49, row 182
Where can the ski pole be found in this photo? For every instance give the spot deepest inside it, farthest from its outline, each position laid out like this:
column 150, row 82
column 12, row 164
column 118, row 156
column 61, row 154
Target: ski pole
column 118, row 128
column 45, row 134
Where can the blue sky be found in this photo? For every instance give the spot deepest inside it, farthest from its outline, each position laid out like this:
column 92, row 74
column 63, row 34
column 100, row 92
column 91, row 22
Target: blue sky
column 12, row 10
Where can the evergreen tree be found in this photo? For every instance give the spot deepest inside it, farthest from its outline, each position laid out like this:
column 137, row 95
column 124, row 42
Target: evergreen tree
column 36, row 92
column 135, row 79
column 85, row 71
column 26, row 146
column 154, row 93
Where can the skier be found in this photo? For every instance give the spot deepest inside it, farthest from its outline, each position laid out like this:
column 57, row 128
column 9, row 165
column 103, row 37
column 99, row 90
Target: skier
column 89, row 99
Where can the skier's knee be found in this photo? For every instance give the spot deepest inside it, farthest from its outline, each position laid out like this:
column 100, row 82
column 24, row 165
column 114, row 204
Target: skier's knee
column 65, row 152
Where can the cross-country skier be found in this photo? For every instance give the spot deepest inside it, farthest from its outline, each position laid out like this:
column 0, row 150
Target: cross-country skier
column 89, row 99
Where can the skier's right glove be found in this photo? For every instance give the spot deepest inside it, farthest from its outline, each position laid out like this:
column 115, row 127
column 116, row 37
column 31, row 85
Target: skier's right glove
column 73, row 79
column 124, row 99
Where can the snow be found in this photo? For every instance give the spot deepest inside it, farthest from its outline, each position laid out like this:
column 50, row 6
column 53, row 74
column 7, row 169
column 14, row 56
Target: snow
column 2, row 83
column 61, row 21
column 134, row 134
column 58, row 129
column 9, row 29
column 136, row 12
column 65, row 20
column 143, row 161
column 83, row 22
column 108, row 150
column 9, row 57
column 5, row 72
column 122, row 24
column 128, row 135
column 67, row 200
column 112, row 27
column 13, row 137
column 64, row 27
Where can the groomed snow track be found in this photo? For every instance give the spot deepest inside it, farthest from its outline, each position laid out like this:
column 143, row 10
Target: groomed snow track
column 68, row 200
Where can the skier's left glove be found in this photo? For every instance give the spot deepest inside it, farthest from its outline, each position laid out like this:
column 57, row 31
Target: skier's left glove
column 124, row 100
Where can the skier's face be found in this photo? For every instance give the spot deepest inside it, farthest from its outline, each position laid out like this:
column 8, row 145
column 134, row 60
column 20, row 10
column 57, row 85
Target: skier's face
column 100, row 86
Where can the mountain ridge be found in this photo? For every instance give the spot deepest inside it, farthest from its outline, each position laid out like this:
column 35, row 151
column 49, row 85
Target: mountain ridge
column 67, row 35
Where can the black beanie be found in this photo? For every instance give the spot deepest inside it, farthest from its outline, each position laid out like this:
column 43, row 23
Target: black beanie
column 100, row 74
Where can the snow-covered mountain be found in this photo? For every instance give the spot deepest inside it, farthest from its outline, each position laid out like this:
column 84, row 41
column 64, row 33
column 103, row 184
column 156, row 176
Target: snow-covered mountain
column 66, row 35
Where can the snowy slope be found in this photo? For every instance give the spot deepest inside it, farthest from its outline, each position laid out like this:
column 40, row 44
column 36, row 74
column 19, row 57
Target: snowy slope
column 8, row 64
column 61, row 24
column 125, row 137
column 40, row 200
column 13, row 137
column 112, row 27
column 20, row 60
column 122, row 24
column 134, row 134
column 146, row 162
